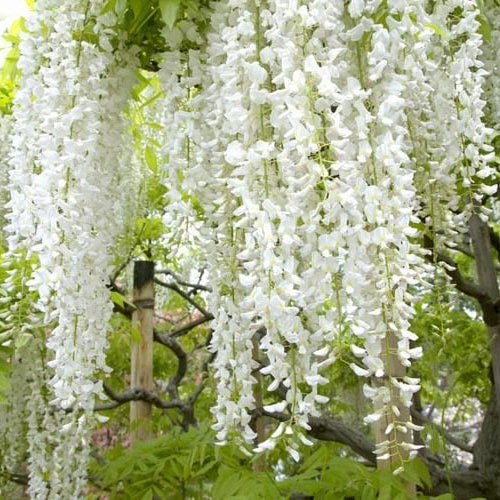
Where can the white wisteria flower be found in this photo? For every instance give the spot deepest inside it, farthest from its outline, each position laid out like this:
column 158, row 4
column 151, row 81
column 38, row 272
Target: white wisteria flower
column 65, row 187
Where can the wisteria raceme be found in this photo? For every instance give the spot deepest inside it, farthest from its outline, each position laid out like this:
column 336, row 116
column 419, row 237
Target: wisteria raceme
column 491, row 59
column 383, row 261
column 231, row 51
column 65, row 183
column 311, row 146
column 456, row 111
column 13, row 417
column 42, row 428
column 306, row 141
column 273, row 208
column 180, row 75
column 5, row 128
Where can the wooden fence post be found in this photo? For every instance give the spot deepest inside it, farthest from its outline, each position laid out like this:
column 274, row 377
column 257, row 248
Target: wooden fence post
column 141, row 376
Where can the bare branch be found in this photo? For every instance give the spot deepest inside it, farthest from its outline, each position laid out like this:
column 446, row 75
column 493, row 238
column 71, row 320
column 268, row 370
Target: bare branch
column 469, row 253
column 422, row 419
column 139, row 394
column 451, row 267
column 193, row 324
column 330, row 429
column 195, row 286
column 201, row 385
column 180, row 353
column 21, row 479
column 183, row 294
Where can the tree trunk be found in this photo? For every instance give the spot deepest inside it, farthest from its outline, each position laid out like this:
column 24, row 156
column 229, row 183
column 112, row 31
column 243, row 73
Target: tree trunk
column 487, row 446
column 486, row 273
column 142, row 352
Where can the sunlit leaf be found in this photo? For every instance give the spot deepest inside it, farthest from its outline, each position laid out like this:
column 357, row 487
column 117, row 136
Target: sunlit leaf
column 169, row 10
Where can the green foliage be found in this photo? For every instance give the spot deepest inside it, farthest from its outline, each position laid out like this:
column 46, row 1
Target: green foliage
column 456, row 351
column 144, row 21
column 151, row 159
column 237, row 482
column 16, row 318
column 485, row 26
column 141, row 21
column 178, row 465
column 120, row 300
column 187, row 465
column 9, row 74
column 438, row 30
column 325, row 474
column 169, row 11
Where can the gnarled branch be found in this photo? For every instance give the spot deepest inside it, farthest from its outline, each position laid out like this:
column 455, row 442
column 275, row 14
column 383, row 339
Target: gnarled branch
column 451, row 267
column 173, row 286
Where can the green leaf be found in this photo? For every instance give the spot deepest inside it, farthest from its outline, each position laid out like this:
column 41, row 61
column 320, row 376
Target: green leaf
column 422, row 472
column 148, row 495
column 438, row 30
column 138, row 6
column 150, row 229
column 151, row 159
column 153, row 125
column 108, row 7
column 118, row 299
column 151, row 100
column 204, row 469
column 400, row 496
column 169, row 10
column 435, row 444
column 5, row 366
column 120, row 7
column 5, row 349
column 484, row 28
column 22, row 340
column 385, row 492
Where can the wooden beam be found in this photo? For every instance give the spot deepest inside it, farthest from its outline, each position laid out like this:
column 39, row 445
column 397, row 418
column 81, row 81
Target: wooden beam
column 141, row 376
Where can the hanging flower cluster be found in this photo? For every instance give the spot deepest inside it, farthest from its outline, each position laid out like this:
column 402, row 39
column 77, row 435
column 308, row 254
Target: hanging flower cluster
column 5, row 128
column 66, row 182
column 455, row 154
column 491, row 58
column 314, row 136
column 311, row 137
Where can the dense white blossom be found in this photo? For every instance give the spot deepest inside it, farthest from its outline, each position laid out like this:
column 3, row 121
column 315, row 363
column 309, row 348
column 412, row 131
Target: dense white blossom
column 304, row 143
column 491, row 58
column 316, row 138
column 66, row 185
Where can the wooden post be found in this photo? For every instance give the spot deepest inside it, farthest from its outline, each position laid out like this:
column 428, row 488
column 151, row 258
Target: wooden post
column 398, row 454
column 260, row 463
column 142, row 352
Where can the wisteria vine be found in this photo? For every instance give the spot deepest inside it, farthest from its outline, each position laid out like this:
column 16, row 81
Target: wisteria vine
column 66, row 208
column 314, row 144
column 307, row 141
